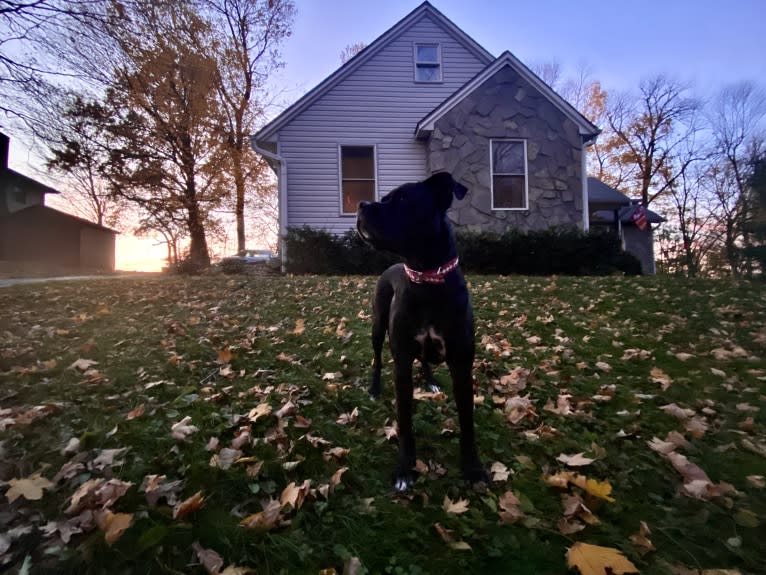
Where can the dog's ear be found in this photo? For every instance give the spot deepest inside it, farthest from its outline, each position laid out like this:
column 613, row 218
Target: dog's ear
column 445, row 186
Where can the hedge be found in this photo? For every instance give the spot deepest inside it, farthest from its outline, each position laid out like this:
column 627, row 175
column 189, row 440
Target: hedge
column 562, row 251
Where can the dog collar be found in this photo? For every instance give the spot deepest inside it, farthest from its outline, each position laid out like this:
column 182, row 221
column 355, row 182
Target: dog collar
column 431, row 276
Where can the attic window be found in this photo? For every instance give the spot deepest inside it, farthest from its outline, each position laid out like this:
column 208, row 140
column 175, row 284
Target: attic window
column 509, row 174
column 357, row 174
column 428, row 63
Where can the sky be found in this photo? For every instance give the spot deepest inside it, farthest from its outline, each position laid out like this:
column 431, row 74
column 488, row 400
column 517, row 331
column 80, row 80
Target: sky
column 707, row 43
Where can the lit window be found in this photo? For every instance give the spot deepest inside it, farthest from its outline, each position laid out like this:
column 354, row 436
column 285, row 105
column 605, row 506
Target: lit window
column 428, row 65
column 357, row 174
column 509, row 174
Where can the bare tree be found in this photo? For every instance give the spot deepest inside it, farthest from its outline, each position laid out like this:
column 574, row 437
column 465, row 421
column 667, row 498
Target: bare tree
column 249, row 33
column 351, row 50
column 736, row 116
column 647, row 147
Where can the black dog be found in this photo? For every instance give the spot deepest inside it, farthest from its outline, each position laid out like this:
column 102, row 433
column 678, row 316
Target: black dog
column 424, row 305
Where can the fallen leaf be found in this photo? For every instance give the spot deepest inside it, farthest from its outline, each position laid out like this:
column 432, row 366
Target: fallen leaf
column 30, row 488
column 83, row 364
column 659, row 376
column 569, row 526
column 265, row 520
column 456, row 507
column 188, row 506
column 137, row 412
column 446, row 535
column 597, row 560
column 225, row 458
column 294, row 495
column 208, row 558
column 113, row 524
column 641, row 539
column 576, row 460
column 300, row 327
column 756, row 481
column 347, row 418
column 224, row 355
column 260, row 410
column 499, row 471
column 181, row 430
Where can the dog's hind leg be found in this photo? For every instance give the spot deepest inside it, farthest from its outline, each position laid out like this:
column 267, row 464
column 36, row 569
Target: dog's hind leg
column 380, row 309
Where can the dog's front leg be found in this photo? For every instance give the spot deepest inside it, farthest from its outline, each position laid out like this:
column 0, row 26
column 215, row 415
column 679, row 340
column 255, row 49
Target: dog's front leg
column 404, row 473
column 462, row 385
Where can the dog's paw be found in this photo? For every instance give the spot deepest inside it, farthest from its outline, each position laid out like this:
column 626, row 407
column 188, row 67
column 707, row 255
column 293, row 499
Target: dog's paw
column 404, row 478
column 402, row 484
column 476, row 473
column 433, row 387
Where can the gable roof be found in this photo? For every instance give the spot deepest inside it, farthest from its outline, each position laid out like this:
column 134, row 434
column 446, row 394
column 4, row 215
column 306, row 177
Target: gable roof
column 604, row 197
column 269, row 130
column 43, row 211
column 586, row 127
column 14, row 177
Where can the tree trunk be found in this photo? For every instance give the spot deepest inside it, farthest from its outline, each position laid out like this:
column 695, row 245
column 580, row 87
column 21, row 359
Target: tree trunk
column 239, row 187
column 198, row 252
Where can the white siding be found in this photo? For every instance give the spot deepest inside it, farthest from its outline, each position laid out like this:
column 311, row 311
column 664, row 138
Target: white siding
column 379, row 104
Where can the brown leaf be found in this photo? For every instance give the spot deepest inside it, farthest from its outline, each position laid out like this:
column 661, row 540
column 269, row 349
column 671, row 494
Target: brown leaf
column 225, row 458
column 260, row 410
column 446, row 535
column 499, row 472
column 265, row 520
column 569, row 526
column 641, row 539
column 300, row 326
column 294, row 495
column 181, row 430
column 188, row 506
column 137, row 412
column 659, row 376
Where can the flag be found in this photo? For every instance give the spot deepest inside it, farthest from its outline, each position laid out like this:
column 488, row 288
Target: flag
column 639, row 217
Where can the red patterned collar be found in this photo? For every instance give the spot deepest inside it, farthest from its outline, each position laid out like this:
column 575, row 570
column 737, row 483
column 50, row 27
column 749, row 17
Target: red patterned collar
column 431, row 276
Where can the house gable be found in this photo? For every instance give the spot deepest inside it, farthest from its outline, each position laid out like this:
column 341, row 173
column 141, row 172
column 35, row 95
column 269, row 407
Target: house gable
column 586, row 128
column 376, row 103
column 269, row 132
column 507, row 107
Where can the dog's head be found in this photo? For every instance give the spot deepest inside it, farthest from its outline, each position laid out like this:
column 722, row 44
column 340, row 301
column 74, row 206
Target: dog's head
column 411, row 217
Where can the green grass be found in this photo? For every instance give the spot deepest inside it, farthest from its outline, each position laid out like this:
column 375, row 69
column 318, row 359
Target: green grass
column 170, row 330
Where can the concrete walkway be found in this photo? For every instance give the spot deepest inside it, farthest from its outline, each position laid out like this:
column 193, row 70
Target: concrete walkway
column 22, row 281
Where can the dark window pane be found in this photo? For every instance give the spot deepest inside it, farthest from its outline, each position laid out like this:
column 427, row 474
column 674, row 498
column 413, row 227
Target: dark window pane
column 508, row 192
column 508, row 158
column 427, row 54
column 358, row 162
column 426, row 73
column 355, row 192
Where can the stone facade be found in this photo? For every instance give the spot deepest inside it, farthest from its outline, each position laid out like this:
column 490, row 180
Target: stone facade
column 507, row 106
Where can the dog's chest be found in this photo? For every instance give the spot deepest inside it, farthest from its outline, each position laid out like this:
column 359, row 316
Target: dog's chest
column 431, row 345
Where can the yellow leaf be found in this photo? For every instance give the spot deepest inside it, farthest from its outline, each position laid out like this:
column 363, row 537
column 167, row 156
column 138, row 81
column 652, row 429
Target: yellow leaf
column 300, row 327
column 113, row 524
column 595, row 560
column 600, row 489
column 659, row 376
column 260, row 410
column 30, row 488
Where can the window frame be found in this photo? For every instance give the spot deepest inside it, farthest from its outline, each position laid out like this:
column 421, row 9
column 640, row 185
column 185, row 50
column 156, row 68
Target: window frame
column 341, row 179
column 417, row 64
column 492, row 174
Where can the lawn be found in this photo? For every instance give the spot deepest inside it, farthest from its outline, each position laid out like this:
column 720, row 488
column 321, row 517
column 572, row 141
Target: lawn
column 222, row 424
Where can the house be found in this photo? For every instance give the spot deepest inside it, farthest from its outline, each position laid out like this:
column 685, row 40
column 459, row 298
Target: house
column 33, row 234
column 422, row 98
column 613, row 210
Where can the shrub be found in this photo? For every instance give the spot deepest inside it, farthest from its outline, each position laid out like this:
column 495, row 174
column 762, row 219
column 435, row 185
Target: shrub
column 565, row 251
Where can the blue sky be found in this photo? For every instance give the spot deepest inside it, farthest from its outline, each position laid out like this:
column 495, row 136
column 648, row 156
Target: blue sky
column 706, row 42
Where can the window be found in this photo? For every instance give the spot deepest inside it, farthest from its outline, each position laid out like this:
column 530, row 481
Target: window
column 509, row 174
column 428, row 63
column 357, row 174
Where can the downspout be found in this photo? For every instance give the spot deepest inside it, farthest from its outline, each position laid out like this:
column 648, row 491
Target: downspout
column 584, row 176
column 281, row 190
